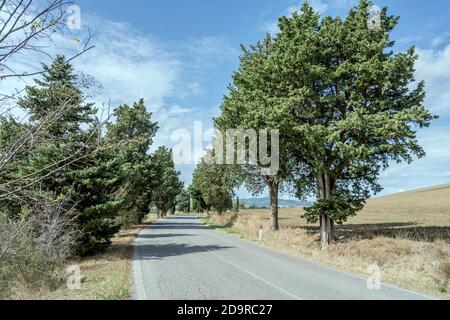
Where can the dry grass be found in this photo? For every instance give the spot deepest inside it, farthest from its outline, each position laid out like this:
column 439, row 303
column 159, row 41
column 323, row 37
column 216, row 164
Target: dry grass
column 407, row 235
column 105, row 276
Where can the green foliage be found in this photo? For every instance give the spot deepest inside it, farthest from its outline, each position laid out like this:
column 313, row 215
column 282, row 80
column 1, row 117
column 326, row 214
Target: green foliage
column 213, row 185
column 344, row 103
column 198, row 202
column 134, row 126
column 135, row 131
column 104, row 181
column 169, row 184
column 57, row 101
column 184, row 202
column 352, row 102
column 68, row 161
column 93, row 193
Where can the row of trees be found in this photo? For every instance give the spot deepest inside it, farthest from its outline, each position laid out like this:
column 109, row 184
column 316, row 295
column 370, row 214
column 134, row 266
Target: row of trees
column 70, row 177
column 345, row 105
column 104, row 178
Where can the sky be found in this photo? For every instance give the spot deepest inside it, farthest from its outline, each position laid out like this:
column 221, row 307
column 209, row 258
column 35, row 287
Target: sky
column 179, row 56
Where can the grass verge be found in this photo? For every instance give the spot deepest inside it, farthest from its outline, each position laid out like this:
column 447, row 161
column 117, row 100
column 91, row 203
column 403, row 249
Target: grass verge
column 105, row 276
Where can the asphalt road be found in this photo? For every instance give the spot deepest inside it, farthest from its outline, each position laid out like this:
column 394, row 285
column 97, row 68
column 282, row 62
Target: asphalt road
column 180, row 258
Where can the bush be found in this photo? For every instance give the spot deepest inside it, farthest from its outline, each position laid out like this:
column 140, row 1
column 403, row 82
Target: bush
column 129, row 218
column 34, row 247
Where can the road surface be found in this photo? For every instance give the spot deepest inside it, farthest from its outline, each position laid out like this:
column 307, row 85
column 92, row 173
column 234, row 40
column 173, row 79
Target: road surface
column 182, row 259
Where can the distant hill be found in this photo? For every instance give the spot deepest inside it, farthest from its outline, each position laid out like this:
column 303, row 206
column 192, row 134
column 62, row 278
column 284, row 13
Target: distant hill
column 264, row 203
column 436, row 198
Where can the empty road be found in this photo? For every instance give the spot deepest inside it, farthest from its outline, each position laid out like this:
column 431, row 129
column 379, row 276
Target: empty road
column 180, row 258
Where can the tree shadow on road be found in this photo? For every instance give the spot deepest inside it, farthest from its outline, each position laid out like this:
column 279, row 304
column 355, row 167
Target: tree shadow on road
column 165, row 235
column 192, row 218
column 161, row 251
column 178, row 226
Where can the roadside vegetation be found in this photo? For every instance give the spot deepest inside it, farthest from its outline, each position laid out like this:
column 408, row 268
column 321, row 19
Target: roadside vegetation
column 104, row 276
column 72, row 176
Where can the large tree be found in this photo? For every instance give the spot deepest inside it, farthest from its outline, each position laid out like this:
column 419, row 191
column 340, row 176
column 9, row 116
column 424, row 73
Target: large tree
column 86, row 178
column 135, row 130
column 253, row 103
column 354, row 102
column 93, row 189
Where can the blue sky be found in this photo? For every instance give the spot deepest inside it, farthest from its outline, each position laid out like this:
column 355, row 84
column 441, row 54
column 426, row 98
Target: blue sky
column 179, row 56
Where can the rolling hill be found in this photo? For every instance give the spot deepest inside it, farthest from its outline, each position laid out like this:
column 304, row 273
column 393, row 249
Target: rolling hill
column 283, row 203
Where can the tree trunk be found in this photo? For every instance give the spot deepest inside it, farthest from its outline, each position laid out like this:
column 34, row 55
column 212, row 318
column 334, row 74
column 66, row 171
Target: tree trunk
column 332, row 233
column 330, row 226
column 326, row 223
column 324, row 232
column 273, row 215
column 158, row 213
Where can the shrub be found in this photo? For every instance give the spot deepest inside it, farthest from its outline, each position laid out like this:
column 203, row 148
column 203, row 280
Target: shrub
column 34, row 247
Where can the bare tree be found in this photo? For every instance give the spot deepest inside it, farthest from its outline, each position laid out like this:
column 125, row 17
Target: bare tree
column 25, row 25
column 28, row 26
column 33, row 248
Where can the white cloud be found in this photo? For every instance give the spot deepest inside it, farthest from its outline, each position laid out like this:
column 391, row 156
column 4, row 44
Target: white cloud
column 433, row 67
column 437, row 41
column 269, row 27
column 410, row 39
column 129, row 65
column 342, row 3
column 211, row 48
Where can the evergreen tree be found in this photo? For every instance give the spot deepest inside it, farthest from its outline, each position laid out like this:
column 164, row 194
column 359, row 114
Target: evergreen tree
column 93, row 191
column 11, row 133
column 135, row 130
column 56, row 96
column 353, row 104
column 169, row 186
column 254, row 102
column 76, row 165
column 56, row 106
